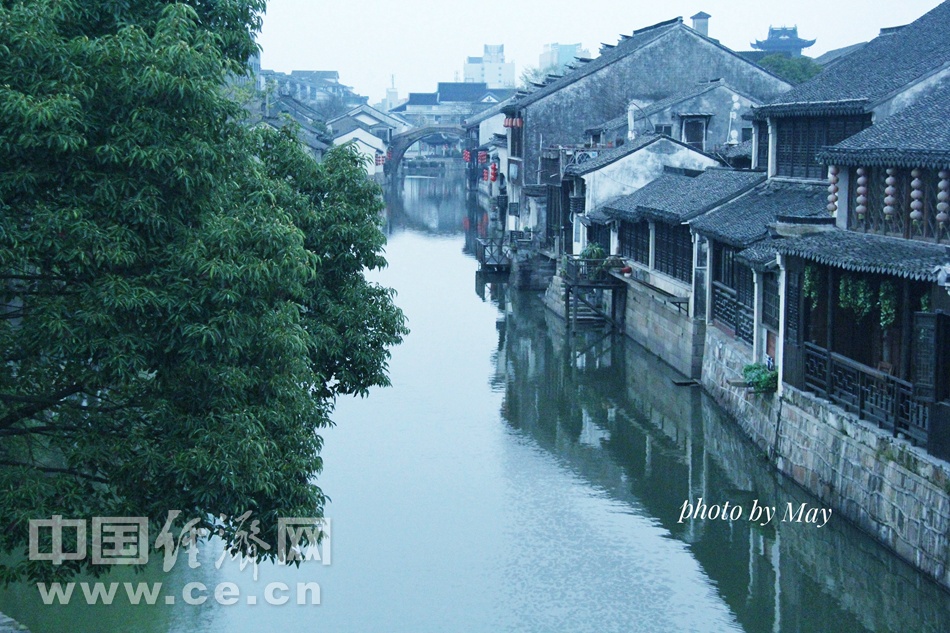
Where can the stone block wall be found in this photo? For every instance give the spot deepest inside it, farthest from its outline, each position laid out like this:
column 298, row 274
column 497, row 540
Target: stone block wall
column 554, row 296
column 897, row 493
column 877, row 589
column 664, row 329
column 894, row 491
column 756, row 413
column 531, row 271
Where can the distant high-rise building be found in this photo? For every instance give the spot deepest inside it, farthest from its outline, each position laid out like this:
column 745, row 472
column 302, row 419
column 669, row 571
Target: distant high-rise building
column 491, row 68
column 560, row 55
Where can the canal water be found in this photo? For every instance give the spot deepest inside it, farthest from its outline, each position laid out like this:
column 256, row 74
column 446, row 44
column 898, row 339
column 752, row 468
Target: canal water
column 518, row 478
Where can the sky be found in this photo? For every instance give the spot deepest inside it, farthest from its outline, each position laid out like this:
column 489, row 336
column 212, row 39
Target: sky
column 417, row 43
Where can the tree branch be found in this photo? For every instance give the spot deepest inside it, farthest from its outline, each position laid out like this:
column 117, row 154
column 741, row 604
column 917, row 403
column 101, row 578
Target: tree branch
column 38, row 405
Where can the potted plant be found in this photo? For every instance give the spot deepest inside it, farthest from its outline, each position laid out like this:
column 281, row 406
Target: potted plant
column 760, row 378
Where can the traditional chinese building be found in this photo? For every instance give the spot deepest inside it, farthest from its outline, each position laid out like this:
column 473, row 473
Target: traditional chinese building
column 783, row 40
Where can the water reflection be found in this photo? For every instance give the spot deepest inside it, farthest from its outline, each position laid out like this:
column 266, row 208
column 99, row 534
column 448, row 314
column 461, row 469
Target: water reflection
column 516, row 478
column 611, row 412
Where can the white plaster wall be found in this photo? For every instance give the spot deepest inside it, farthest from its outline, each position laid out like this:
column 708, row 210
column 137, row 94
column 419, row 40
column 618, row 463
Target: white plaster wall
column 366, row 138
column 490, row 126
column 635, row 170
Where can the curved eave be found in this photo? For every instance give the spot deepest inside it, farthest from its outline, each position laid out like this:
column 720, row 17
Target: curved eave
column 886, row 157
column 831, row 260
column 811, row 108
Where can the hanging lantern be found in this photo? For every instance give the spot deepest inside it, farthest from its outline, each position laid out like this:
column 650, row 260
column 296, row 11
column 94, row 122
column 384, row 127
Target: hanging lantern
column 833, row 190
column 916, row 197
column 942, row 196
column 862, row 193
column 889, row 191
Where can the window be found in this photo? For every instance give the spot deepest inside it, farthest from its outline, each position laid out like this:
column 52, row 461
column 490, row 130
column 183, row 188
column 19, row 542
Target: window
column 733, row 293
column 800, row 138
column 694, row 133
column 635, row 241
column 663, row 129
column 746, row 134
column 674, row 251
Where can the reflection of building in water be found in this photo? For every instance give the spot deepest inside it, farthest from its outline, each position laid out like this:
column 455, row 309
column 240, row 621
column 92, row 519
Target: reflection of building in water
column 429, row 205
column 610, row 412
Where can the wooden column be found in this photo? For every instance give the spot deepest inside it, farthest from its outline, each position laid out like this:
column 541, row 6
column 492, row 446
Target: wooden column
column 906, row 330
column 830, row 326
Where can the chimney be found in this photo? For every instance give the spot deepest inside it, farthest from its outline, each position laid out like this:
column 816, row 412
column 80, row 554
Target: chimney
column 701, row 23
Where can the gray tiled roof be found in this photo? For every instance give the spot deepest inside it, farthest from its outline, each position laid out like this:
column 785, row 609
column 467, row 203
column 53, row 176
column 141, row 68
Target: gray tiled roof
column 487, row 113
column 461, row 91
column 743, row 149
column 917, row 136
column 758, row 256
column 628, row 45
column 745, row 220
column 607, row 156
column 862, row 252
column 675, row 198
column 871, row 74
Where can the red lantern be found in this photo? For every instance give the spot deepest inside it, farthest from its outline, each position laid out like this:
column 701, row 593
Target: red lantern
column 467, row 156
column 494, row 172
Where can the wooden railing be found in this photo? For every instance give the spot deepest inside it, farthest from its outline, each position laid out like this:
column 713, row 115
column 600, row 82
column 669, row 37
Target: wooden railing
column 729, row 311
column 873, row 395
column 490, row 253
column 577, row 270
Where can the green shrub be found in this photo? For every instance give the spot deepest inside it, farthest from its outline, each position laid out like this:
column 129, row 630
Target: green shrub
column 760, row 377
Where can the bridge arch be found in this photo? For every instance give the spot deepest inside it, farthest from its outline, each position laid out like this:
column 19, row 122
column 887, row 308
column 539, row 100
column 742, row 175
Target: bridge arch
column 401, row 143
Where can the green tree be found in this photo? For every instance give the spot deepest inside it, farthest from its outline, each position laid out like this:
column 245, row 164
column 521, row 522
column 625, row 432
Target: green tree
column 794, row 70
column 182, row 298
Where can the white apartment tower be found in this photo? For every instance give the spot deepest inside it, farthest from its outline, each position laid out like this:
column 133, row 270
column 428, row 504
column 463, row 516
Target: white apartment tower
column 491, row 68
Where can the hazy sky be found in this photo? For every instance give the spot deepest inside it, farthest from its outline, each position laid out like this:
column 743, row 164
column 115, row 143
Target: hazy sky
column 422, row 42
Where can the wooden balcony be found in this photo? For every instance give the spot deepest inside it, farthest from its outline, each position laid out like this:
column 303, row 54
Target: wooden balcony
column 871, row 394
column 590, row 273
column 492, row 254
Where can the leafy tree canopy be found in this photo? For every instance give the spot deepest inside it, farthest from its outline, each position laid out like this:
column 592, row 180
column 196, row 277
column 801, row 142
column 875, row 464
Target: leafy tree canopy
column 794, row 70
column 181, row 298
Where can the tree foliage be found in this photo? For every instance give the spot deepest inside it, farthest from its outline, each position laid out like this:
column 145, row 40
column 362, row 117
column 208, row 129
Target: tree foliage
column 537, row 75
column 794, row 70
column 182, row 298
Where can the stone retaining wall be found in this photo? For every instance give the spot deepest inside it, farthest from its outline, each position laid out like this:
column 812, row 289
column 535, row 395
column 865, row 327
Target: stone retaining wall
column 890, row 489
column 531, row 271
column 664, row 329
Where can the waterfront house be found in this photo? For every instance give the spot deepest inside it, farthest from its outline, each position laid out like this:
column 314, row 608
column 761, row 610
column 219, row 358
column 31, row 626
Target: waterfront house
column 381, row 124
column 708, row 116
column 666, row 294
column 875, row 270
column 860, row 417
column 451, row 104
column 373, row 148
column 592, row 177
column 647, row 66
column 868, row 310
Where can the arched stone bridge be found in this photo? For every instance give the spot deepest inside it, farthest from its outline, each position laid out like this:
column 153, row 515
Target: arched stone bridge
column 401, row 143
